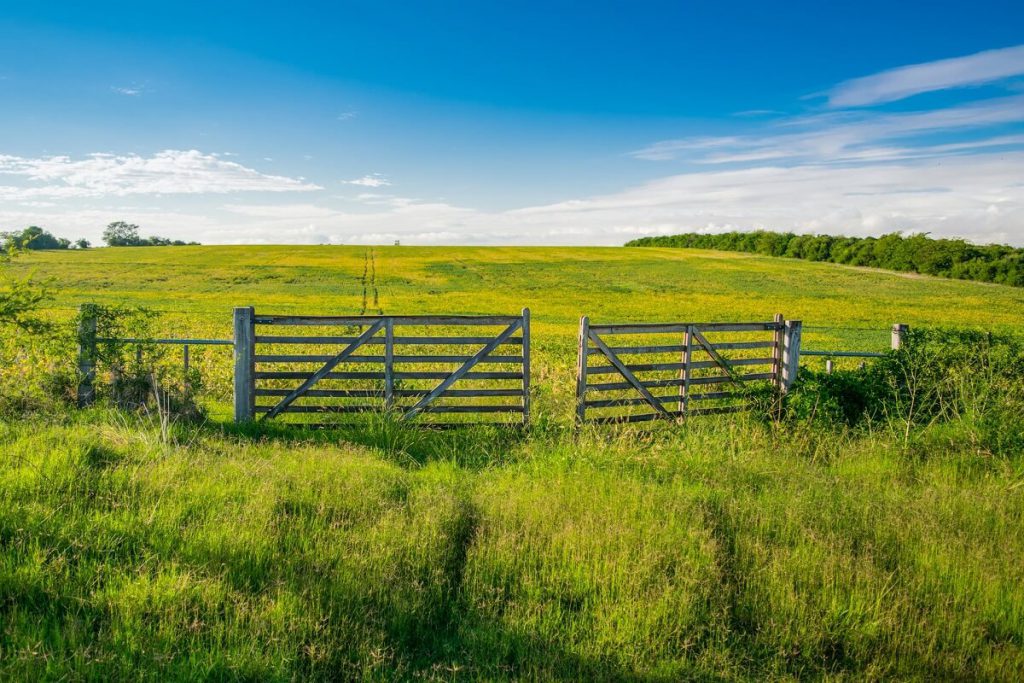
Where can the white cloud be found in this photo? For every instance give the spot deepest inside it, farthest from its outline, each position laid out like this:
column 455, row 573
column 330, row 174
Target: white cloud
column 371, row 180
column 838, row 136
column 347, row 115
column 980, row 197
column 167, row 172
column 906, row 81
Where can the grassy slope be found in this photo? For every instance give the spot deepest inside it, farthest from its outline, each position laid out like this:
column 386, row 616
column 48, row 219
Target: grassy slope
column 722, row 550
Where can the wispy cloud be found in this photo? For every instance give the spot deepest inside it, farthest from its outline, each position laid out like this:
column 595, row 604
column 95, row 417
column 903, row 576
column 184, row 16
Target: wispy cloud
column 347, row 115
column 371, row 180
column 906, row 81
column 129, row 91
column 167, row 172
column 841, row 136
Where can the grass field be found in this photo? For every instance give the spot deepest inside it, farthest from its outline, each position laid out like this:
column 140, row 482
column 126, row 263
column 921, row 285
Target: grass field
column 727, row 549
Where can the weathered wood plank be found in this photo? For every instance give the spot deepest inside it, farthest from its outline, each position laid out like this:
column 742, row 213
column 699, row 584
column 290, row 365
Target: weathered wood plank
column 525, row 360
column 791, row 353
column 681, row 348
column 245, row 372
column 380, row 375
column 630, row 377
column 694, row 365
column 398, row 340
column 348, row 320
column 648, row 417
column 325, row 370
column 615, row 402
column 376, row 393
column 299, row 358
column 582, row 351
column 655, row 328
column 656, row 383
column 465, row 369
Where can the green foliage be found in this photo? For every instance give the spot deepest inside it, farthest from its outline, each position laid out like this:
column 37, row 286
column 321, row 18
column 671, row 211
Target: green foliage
column 122, row 234
column 918, row 253
column 974, row 379
column 33, row 237
column 19, row 296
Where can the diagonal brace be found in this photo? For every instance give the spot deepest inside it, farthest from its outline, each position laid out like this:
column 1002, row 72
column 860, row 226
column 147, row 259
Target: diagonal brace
column 322, row 372
column 625, row 372
column 466, row 367
column 717, row 357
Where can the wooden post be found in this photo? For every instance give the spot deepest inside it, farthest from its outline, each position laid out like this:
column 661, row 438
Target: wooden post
column 581, row 370
column 245, row 366
column 184, row 366
column 828, row 367
column 899, row 333
column 389, row 364
column 684, row 374
column 526, row 366
column 780, row 341
column 86, row 355
column 791, row 353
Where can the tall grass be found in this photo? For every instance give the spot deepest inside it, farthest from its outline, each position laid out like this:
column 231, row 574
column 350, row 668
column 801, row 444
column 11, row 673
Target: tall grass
column 720, row 550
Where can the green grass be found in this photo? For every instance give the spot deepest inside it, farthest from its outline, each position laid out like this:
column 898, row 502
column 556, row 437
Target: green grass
column 725, row 551
column 722, row 550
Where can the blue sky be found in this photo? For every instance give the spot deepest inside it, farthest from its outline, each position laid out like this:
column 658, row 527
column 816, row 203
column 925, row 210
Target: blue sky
column 511, row 123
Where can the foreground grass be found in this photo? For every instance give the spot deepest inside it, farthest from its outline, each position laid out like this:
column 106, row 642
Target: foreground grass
column 719, row 551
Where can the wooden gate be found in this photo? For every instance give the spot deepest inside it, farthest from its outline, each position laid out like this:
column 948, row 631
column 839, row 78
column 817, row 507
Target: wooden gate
column 701, row 370
column 414, row 366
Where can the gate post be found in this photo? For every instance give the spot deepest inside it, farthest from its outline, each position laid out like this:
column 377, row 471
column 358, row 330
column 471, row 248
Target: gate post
column 86, row 354
column 791, row 353
column 245, row 366
column 899, row 333
column 780, row 344
column 581, row 370
column 526, row 366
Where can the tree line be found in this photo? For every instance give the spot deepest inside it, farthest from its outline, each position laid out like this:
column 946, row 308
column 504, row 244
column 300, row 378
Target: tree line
column 952, row 258
column 116, row 234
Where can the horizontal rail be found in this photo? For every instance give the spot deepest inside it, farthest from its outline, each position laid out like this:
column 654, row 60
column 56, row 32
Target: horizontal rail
column 380, row 375
column 367, row 320
column 370, row 408
column 679, row 348
column 183, row 342
column 694, row 365
column 288, row 358
column 650, row 384
column 424, row 340
column 376, row 393
column 613, row 402
column 504, row 424
column 843, row 354
column 648, row 417
column 656, row 328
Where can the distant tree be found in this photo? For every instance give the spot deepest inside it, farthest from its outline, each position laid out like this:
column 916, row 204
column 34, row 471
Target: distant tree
column 122, row 234
column 33, row 237
column 82, row 243
column 916, row 253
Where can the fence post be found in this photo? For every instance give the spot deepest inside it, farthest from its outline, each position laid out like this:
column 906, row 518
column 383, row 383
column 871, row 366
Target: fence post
column 581, row 370
column 791, row 353
column 526, row 367
column 245, row 367
column 389, row 363
column 86, row 354
column 899, row 332
column 780, row 342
